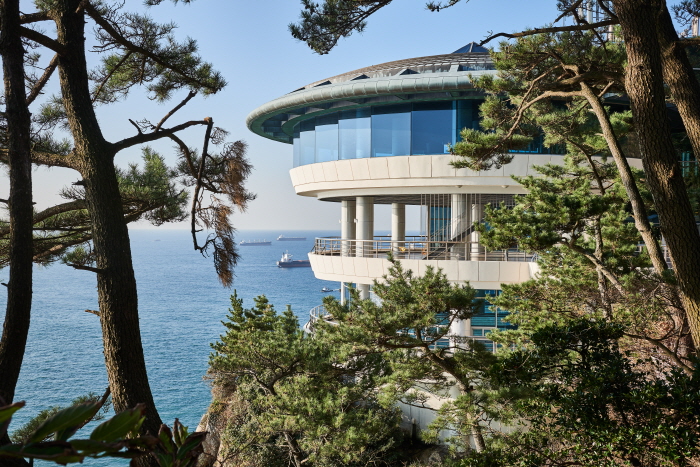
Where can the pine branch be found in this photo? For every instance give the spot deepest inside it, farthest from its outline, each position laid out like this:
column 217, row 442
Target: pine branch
column 153, row 136
column 39, row 85
column 532, row 32
column 46, row 41
column 190, row 95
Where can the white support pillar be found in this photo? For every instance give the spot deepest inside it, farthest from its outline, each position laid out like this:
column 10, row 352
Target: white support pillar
column 477, row 216
column 398, row 227
column 364, row 232
column 343, row 292
column 347, row 227
column 460, row 223
column 364, row 291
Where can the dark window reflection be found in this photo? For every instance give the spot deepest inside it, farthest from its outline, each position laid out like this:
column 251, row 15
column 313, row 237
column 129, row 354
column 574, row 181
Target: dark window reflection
column 391, row 130
column 432, row 124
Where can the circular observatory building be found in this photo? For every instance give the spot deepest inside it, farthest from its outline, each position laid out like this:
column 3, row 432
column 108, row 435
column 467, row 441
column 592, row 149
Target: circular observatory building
column 381, row 135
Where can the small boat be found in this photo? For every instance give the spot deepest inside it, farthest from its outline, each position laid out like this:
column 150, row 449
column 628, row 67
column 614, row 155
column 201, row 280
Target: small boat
column 288, row 262
column 326, row 290
column 255, row 243
column 282, row 238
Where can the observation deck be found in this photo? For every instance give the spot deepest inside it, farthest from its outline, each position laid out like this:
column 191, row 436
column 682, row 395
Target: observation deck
column 363, row 261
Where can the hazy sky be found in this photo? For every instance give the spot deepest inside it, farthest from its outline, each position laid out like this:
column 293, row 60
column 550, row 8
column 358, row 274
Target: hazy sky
column 248, row 41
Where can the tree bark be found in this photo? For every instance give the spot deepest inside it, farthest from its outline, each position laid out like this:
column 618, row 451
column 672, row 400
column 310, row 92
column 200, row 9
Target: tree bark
column 641, row 219
column 645, row 88
column 116, row 283
column 19, row 293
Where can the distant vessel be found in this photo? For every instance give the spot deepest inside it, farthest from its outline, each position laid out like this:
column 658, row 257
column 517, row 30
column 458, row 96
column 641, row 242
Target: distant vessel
column 326, row 289
column 288, row 262
column 255, row 243
column 282, row 238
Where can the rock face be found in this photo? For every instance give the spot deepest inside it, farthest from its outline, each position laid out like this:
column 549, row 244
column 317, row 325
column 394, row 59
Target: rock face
column 214, row 422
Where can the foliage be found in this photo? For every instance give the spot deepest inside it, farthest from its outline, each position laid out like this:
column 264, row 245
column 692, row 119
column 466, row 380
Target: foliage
column 413, row 329
column 22, row 434
column 50, row 436
column 591, row 403
column 301, row 400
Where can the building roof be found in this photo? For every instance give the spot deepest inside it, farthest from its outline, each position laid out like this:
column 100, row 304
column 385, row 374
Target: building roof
column 432, row 78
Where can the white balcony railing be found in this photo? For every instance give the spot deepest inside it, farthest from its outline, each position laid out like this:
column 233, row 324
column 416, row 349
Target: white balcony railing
column 417, row 247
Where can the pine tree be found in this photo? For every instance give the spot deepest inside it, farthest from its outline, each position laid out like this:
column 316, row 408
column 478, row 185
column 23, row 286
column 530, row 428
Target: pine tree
column 303, row 402
column 136, row 51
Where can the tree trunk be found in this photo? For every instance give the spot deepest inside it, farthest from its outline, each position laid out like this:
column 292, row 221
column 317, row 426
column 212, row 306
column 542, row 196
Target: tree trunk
column 19, row 293
column 645, row 88
column 641, row 219
column 679, row 76
column 116, row 284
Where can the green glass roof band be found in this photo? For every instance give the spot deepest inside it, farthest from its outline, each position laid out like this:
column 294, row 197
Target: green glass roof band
column 348, row 90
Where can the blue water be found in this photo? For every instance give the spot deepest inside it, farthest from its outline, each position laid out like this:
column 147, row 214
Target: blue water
column 181, row 306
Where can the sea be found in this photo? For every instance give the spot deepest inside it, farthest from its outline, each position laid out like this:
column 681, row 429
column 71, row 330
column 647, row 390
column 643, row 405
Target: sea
column 181, row 308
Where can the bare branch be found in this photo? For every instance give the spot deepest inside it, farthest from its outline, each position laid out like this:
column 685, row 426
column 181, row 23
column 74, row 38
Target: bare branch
column 34, row 17
column 45, row 159
column 52, row 211
column 41, row 39
column 39, row 85
column 86, row 268
column 532, row 32
column 153, row 136
column 175, row 109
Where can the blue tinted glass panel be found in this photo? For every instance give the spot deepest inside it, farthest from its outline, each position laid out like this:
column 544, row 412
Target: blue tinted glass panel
column 432, row 124
column 327, row 138
column 391, row 130
column 467, row 116
column 297, row 147
column 307, row 142
column 355, row 132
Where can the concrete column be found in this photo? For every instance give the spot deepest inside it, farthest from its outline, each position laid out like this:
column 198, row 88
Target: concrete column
column 364, row 291
column 398, row 227
column 343, row 292
column 460, row 223
column 461, row 327
column 459, row 220
column 477, row 216
column 364, row 232
column 347, row 227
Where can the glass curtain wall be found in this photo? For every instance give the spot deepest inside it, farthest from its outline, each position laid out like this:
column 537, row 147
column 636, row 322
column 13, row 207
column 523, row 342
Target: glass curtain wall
column 355, row 133
column 432, row 128
column 419, row 128
column 327, row 138
column 391, row 130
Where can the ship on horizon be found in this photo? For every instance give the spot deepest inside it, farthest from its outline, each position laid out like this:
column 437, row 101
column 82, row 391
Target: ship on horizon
column 255, row 243
column 288, row 262
column 282, row 238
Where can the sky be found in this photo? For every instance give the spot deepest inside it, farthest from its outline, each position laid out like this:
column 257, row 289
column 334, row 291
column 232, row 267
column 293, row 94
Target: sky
column 249, row 43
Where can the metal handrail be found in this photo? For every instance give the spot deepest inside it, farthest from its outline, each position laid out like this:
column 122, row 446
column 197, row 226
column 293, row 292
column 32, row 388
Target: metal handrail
column 417, row 247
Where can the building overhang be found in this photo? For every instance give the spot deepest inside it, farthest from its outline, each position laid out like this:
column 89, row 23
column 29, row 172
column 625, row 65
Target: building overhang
column 435, row 78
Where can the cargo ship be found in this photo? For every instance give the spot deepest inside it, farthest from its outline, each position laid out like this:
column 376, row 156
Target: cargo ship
column 288, row 262
column 255, row 243
column 282, row 238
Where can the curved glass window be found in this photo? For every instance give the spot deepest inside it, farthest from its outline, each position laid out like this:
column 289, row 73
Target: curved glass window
column 355, row 133
column 391, row 130
column 307, row 142
column 418, row 128
column 327, row 138
column 432, row 128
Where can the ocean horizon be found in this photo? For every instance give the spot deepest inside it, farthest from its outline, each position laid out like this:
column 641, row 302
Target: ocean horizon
column 181, row 307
